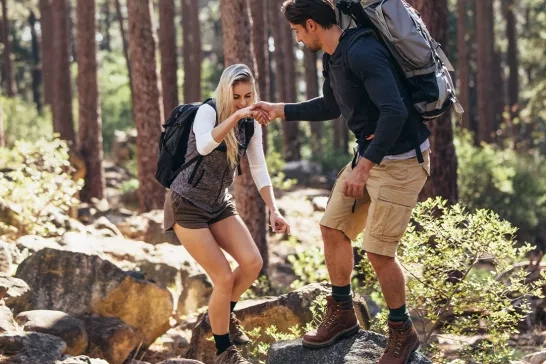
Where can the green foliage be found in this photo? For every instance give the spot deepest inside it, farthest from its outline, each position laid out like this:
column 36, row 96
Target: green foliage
column 445, row 289
column 36, row 185
column 275, row 164
column 504, row 181
column 115, row 94
column 262, row 339
column 310, row 267
column 23, row 122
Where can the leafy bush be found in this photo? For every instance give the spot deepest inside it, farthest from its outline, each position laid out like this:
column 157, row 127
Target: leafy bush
column 310, row 266
column 36, row 184
column 261, row 340
column 275, row 164
column 508, row 183
column 115, row 93
column 23, row 122
column 447, row 292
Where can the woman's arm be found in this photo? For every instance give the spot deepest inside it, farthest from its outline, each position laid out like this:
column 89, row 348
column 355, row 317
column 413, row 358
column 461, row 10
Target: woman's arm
column 208, row 135
column 258, row 169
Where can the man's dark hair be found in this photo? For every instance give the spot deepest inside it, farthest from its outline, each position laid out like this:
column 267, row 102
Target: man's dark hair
column 320, row 11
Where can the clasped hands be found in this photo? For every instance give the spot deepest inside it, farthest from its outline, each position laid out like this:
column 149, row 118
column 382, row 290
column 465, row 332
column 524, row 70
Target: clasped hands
column 262, row 112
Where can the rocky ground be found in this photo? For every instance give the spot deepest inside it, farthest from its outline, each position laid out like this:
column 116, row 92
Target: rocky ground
column 116, row 289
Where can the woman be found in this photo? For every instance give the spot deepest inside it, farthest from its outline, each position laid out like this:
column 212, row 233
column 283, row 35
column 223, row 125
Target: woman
column 202, row 213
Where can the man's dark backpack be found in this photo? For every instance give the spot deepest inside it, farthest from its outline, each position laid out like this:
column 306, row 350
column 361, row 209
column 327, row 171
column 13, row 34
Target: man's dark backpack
column 173, row 142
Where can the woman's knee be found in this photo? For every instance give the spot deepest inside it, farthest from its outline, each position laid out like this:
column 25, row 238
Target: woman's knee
column 223, row 280
column 253, row 264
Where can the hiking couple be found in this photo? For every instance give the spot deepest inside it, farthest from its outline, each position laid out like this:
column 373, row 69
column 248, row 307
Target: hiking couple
column 374, row 193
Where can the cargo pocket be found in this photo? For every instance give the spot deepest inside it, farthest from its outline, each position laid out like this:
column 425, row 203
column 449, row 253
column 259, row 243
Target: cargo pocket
column 390, row 221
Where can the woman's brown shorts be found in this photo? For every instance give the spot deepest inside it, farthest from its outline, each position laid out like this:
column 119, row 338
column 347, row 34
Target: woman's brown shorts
column 180, row 211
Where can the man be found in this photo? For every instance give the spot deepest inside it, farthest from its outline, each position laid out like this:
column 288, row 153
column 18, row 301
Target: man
column 377, row 191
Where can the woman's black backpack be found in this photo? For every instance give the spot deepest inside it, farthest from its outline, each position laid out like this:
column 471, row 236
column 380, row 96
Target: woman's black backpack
column 173, row 142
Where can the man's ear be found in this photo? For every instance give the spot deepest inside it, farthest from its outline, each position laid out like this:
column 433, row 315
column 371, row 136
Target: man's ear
column 310, row 25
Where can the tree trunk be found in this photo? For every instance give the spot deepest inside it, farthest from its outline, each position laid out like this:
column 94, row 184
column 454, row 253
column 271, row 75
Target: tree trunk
column 63, row 122
column 260, row 42
column 72, row 39
column 90, row 123
column 463, row 66
column 312, row 91
column 238, row 49
column 46, row 25
column 291, row 137
column 443, row 181
column 147, row 104
column 272, row 21
column 36, row 71
column 496, row 89
column 125, row 44
column 278, row 55
column 8, row 65
column 2, row 136
column 191, row 51
column 107, row 24
column 485, row 123
column 167, row 47
column 513, row 63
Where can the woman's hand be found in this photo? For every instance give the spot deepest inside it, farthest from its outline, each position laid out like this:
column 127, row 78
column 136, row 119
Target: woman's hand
column 250, row 112
column 278, row 223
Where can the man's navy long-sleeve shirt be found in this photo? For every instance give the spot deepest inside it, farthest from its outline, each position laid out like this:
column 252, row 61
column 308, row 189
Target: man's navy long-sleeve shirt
column 363, row 86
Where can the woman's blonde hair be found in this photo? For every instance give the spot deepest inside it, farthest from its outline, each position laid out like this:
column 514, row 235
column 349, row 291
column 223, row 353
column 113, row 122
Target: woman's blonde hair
column 233, row 75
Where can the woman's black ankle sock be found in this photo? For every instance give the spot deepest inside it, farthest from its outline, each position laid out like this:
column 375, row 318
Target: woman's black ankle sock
column 222, row 343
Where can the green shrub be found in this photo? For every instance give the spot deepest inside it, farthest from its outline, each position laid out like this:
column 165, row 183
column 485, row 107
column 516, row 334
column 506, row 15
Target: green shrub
column 504, row 181
column 115, row 94
column 262, row 339
column 35, row 185
column 23, row 122
column 448, row 294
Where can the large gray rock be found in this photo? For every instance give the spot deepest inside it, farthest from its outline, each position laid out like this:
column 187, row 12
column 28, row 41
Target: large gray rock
column 147, row 227
column 57, row 323
column 303, row 171
column 7, row 322
column 196, row 292
column 81, row 360
column 6, row 258
column 79, row 284
column 111, row 339
column 366, row 347
column 14, row 291
column 535, row 358
column 31, row 348
column 284, row 312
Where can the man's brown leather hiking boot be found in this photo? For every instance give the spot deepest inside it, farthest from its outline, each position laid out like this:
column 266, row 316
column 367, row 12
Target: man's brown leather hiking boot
column 403, row 341
column 339, row 322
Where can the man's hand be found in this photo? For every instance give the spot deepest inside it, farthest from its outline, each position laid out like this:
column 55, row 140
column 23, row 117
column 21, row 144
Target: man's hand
column 273, row 111
column 357, row 178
